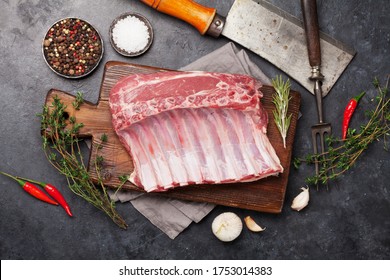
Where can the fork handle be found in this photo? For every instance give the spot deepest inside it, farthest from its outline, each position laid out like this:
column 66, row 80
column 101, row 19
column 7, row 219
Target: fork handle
column 318, row 96
column 310, row 22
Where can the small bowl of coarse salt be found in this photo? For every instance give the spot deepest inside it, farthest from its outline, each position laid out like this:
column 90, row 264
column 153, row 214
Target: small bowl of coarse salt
column 131, row 34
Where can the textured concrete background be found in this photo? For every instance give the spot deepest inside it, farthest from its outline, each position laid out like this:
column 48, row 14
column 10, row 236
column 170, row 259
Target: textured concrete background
column 349, row 221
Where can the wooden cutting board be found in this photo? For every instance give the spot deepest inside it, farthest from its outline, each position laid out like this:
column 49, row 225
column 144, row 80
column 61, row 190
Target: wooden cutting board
column 266, row 195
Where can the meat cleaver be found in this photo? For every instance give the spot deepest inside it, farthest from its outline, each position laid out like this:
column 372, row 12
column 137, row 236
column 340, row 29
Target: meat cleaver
column 267, row 31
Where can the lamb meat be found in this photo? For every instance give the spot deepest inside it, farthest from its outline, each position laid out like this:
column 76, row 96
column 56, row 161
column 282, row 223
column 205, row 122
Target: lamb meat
column 184, row 128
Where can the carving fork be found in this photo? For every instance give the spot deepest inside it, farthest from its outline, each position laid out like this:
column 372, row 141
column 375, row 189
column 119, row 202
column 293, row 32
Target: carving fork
column 310, row 21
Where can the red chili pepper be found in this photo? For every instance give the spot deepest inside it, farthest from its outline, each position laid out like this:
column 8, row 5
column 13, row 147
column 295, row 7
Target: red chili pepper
column 54, row 193
column 348, row 112
column 32, row 189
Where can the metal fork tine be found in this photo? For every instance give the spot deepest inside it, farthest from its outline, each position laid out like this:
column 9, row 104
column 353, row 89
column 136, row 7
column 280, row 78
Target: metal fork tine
column 318, row 134
column 322, row 143
column 328, row 131
column 315, row 150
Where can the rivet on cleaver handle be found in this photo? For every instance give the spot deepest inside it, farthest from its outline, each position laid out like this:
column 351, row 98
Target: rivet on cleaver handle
column 203, row 18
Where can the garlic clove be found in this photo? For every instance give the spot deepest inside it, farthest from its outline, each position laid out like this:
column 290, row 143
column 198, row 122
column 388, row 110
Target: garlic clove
column 252, row 225
column 301, row 200
column 227, row 226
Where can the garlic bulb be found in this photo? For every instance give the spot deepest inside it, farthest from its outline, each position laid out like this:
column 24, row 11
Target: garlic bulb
column 301, row 200
column 227, row 226
column 252, row 225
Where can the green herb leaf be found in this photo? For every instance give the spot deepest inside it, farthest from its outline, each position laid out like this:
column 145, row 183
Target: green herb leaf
column 104, row 137
column 123, row 178
column 281, row 99
column 78, row 101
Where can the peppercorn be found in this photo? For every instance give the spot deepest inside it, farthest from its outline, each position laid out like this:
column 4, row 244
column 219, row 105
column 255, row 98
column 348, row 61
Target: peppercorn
column 67, row 47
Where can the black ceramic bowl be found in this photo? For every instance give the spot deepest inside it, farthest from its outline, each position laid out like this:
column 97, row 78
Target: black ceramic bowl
column 72, row 48
column 150, row 32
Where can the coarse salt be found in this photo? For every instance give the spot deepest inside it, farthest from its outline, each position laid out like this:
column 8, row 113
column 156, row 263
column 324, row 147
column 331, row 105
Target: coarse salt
column 130, row 34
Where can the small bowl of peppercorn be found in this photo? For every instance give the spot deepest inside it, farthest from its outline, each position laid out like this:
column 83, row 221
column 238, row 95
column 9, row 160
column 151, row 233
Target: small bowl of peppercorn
column 72, row 48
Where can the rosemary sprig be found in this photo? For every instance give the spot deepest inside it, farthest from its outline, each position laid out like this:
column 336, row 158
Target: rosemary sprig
column 62, row 149
column 281, row 99
column 343, row 154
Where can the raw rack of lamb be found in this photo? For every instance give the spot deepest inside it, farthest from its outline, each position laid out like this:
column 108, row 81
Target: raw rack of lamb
column 184, row 128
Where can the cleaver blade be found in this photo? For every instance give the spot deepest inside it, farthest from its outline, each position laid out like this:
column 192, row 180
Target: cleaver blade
column 267, row 31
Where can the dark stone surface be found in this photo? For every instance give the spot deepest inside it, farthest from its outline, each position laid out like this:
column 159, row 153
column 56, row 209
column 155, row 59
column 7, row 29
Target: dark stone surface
column 349, row 221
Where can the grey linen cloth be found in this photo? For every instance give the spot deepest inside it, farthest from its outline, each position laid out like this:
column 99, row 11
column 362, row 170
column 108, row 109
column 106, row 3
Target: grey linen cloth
column 172, row 216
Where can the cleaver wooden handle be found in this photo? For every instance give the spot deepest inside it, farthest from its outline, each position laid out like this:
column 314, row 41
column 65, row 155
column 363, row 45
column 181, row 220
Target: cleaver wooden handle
column 310, row 22
column 189, row 11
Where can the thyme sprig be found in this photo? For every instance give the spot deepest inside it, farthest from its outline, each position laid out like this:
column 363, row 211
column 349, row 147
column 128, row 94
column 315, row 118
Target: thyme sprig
column 281, row 99
column 343, row 154
column 62, row 149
